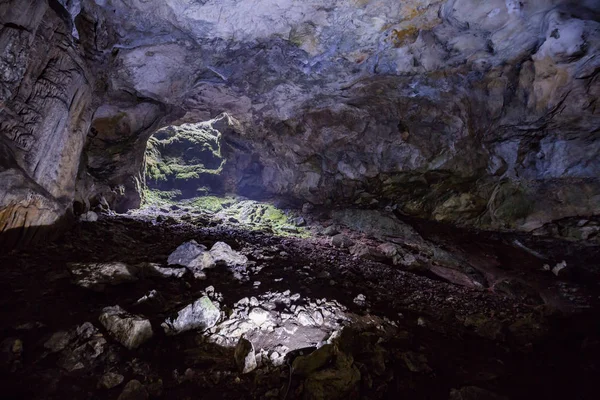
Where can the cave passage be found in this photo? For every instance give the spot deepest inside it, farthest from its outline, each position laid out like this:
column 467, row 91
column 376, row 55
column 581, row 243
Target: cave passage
column 299, row 200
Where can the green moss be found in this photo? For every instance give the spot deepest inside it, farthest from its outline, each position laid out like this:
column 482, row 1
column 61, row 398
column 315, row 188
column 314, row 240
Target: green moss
column 189, row 154
column 160, row 197
column 212, row 203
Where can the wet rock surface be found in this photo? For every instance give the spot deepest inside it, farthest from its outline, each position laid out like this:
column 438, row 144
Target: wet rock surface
column 302, row 319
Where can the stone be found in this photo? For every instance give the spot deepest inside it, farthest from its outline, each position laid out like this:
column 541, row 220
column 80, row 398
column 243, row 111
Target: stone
column 187, row 255
column 559, row 268
column 331, row 230
column 155, row 270
column 96, row 276
column 200, row 315
column 360, row 300
column 305, row 319
column 152, row 300
column 245, row 357
column 338, row 382
column 128, row 329
column 307, row 364
column 223, row 254
column 375, row 222
column 134, row 390
column 110, row 380
column 299, row 221
column 89, row 216
column 415, row 362
column 85, row 351
column 58, row 341
column 341, row 241
column 259, row 316
column 11, row 351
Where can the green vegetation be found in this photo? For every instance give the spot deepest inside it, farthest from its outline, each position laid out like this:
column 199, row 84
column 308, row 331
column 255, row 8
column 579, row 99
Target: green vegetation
column 212, row 203
column 184, row 157
column 160, row 197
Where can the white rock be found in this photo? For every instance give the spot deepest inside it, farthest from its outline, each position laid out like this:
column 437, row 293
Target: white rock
column 223, row 254
column 259, row 316
column 202, row 314
column 89, row 216
column 305, row 319
column 559, row 267
column 360, row 300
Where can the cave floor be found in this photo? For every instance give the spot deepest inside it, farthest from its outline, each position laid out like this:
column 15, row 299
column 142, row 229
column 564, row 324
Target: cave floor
column 410, row 335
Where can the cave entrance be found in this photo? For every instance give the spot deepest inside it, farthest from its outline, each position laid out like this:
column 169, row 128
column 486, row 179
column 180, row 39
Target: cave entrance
column 200, row 168
column 183, row 163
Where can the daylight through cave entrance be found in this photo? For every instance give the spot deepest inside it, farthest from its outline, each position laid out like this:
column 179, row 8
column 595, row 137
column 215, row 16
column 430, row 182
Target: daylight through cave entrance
column 184, row 162
column 187, row 168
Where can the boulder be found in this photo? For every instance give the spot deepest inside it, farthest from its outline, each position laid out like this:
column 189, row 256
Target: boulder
column 340, row 381
column 245, row 357
column 187, row 255
column 223, row 254
column 89, row 216
column 128, row 329
column 201, row 315
column 341, row 241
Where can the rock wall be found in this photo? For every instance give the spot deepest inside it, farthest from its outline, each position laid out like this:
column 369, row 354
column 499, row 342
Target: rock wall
column 44, row 117
column 474, row 113
column 477, row 113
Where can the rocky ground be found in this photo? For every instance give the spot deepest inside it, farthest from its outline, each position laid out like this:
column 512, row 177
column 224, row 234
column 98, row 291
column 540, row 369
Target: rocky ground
column 182, row 303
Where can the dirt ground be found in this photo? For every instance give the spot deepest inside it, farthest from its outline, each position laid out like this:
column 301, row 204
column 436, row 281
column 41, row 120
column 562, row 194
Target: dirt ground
column 411, row 334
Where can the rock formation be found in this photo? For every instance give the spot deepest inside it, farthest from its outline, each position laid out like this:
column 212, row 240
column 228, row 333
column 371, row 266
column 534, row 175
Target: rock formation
column 474, row 113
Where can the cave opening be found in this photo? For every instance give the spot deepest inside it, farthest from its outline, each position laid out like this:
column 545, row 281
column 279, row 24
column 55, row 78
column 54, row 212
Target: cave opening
column 195, row 168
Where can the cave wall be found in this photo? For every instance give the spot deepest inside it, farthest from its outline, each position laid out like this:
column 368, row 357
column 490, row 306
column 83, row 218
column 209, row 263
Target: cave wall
column 44, row 117
column 476, row 113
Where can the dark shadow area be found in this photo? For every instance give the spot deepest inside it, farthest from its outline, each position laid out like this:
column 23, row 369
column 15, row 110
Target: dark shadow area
column 408, row 340
column 32, row 236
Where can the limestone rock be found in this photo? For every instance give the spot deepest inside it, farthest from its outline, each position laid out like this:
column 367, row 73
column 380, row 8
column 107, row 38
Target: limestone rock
column 129, row 330
column 341, row 241
column 89, row 216
column 245, row 357
column 259, row 316
column 187, row 255
column 96, row 276
column 223, row 254
column 201, row 315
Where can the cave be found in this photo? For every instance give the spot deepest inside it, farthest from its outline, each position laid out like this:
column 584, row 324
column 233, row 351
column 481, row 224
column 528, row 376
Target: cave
column 284, row 199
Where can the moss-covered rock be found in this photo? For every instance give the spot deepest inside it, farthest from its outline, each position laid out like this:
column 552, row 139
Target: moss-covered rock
column 185, row 158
